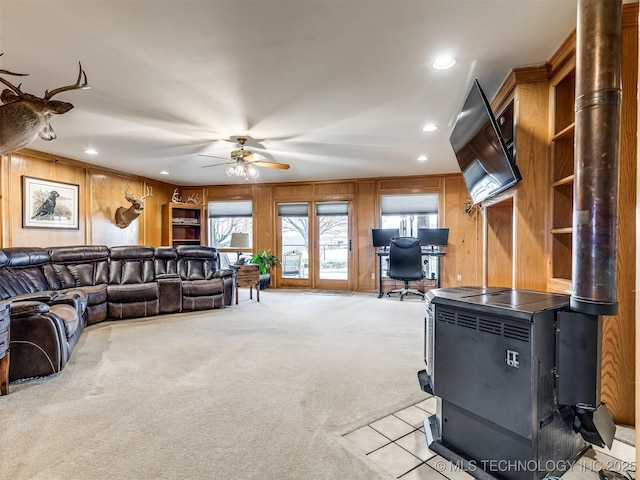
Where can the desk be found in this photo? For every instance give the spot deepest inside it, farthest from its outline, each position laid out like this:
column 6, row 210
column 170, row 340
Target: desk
column 247, row 276
column 426, row 252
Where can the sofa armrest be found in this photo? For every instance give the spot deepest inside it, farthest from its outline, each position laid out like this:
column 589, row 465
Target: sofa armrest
column 44, row 296
column 26, row 308
column 169, row 293
column 75, row 298
column 223, row 273
column 167, row 276
column 38, row 341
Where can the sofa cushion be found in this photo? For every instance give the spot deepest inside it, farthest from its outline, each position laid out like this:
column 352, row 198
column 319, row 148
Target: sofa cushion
column 26, row 256
column 13, row 282
column 131, row 265
column 200, row 288
column 79, row 253
column 77, row 266
column 28, row 262
column 69, row 317
column 166, row 261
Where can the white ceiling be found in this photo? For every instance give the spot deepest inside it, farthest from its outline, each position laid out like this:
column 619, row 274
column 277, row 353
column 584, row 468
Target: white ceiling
column 337, row 89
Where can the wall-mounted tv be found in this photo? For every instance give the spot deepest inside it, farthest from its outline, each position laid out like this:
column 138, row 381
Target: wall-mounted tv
column 485, row 161
column 382, row 236
column 433, row 237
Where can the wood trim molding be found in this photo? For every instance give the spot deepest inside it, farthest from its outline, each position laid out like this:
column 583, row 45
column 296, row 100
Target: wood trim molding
column 519, row 75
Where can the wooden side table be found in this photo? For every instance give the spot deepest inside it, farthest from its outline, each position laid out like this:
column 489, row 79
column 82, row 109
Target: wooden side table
column 248, row 276
column 4, row 347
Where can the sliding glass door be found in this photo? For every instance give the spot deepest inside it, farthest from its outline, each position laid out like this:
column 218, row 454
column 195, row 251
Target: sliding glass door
column 334, row 252
column 294, row 241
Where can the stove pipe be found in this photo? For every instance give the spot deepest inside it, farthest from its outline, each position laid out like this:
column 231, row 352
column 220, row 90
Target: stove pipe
column 597, row 139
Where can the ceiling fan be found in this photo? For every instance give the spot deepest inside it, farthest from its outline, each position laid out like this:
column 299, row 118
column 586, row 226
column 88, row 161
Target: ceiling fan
column 243, row 162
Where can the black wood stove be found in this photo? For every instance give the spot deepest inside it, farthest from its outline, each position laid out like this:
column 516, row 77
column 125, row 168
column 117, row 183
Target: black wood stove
column 517, row 374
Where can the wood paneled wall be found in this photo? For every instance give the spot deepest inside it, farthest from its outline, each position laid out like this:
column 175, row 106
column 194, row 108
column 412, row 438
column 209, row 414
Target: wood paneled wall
column 100, row 191
column 618, row 332
column 464, row 249
column 365, row 194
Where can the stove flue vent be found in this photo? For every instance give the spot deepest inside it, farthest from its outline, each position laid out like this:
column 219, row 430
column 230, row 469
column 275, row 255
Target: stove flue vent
column 597, row 150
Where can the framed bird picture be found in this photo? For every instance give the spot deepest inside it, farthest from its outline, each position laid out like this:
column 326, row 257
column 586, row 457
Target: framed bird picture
column 47, row 204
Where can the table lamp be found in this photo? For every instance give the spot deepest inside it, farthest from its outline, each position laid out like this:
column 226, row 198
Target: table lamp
column 239, row 241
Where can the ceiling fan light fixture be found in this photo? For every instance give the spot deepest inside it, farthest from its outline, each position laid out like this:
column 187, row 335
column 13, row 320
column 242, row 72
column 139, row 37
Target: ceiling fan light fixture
column 244, row 163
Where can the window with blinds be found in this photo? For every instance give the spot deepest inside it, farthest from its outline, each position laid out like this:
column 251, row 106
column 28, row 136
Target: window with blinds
column 409, row 212
column 228, row 217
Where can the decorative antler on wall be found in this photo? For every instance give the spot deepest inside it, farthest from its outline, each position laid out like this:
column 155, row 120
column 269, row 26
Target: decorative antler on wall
column 24, row 116
column 193, row 198
column 124, row 216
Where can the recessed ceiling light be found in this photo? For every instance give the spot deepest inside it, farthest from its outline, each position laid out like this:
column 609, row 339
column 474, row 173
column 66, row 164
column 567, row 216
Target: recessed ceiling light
column 423, row 158
column 429, row 128
column 91, row 151
column 442, row 63
column 164, row 172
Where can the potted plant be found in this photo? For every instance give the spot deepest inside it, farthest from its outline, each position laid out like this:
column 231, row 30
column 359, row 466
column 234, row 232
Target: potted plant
column 264, row 260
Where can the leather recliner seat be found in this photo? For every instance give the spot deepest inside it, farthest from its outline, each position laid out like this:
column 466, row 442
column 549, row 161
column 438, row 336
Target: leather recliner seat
column 45, row 324
column 133, row 289
column 85, row 267
column 204, row 284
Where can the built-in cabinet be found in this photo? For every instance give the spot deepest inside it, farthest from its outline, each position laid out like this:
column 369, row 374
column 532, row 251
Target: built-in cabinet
column 183, row 224
column 562, row 127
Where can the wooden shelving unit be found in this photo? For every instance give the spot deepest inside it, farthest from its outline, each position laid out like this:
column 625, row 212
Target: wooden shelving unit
column 183, row 224
column 618, row 347
column 563, row 92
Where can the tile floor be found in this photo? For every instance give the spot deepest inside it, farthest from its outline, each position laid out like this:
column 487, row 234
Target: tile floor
column 397, row 444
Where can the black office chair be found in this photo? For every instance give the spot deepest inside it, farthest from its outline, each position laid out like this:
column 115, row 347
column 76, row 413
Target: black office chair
column 405, row 263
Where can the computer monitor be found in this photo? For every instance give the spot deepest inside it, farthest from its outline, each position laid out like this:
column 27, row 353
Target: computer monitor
column 382, row 236
column 433, row 237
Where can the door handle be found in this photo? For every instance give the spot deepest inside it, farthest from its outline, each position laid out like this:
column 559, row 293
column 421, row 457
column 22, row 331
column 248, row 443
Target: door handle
column 350, row 244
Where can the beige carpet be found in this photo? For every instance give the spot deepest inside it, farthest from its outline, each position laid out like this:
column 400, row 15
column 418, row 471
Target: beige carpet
column 255, row 391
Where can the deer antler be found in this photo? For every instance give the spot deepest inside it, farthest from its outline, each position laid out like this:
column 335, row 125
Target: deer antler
column 149, row 193
column 81, row 84
column 127, row 195
column 9, row 84
column 193, row 198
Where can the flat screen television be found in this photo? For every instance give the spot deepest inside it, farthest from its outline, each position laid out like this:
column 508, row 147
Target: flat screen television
column 486, row 163
column 433, row 237
column 382, row 236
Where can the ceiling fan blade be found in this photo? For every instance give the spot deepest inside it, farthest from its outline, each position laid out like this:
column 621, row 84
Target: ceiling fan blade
column 213, row 156
column 217, row 164
column 254, row 157
column 281, row 166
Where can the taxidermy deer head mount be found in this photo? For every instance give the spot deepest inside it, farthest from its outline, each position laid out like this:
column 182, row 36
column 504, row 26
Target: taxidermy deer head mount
column 124, row 216
column 24, row 116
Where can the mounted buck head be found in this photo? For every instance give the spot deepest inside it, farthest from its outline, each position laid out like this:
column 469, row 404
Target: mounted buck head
column 24, row 116
column 124, row 216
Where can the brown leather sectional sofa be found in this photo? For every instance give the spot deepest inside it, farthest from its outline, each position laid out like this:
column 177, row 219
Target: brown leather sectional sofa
column 55, row 292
